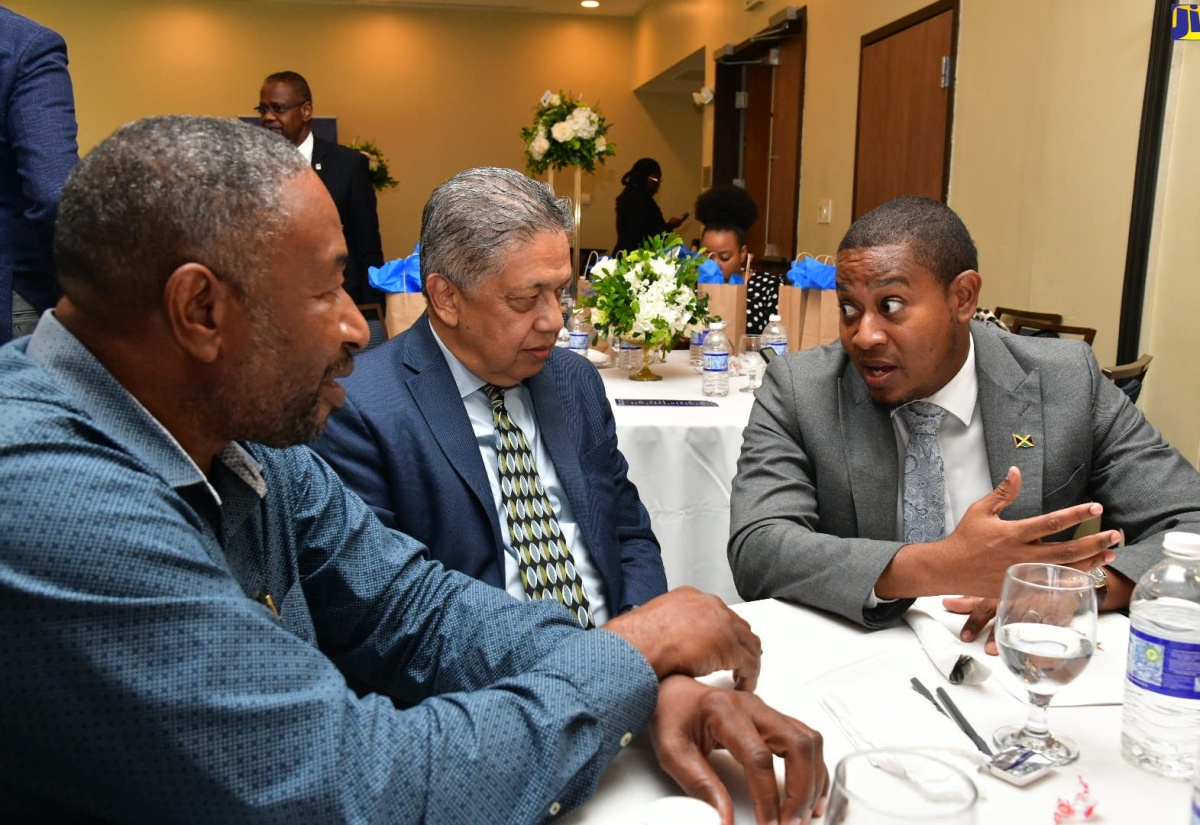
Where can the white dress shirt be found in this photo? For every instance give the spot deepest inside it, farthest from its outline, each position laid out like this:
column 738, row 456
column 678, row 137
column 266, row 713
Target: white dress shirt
column 964, row 451
column 519, row 404
column 306, row 147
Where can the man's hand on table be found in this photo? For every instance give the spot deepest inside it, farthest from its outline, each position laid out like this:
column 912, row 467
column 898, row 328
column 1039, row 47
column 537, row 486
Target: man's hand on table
column 692, row 633
column 693, row 719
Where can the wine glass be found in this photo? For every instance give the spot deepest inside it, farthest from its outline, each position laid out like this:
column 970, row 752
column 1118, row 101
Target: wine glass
column 751, row 360
column 1046, row 632
column 899, row 787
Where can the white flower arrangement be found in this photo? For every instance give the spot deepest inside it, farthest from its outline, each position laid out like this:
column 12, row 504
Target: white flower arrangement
column 648, row 295
column 565, row 132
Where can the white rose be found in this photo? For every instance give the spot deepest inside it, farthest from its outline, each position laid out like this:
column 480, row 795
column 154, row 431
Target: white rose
column 584, row 122
column 562, row 131
column 555, row 100
column 539, row 147
column 601, row 144
column 603, row 268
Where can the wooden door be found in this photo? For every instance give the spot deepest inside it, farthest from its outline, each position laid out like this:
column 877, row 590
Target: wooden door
column 905, row 106
column 758, row 125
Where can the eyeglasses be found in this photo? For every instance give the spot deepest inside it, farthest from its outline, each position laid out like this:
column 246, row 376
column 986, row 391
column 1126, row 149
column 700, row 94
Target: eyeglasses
column 278, row 108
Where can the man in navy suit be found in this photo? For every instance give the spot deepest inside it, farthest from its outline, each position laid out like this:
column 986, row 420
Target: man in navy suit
column 37, row 150
column 416, row 438
column 285, row 107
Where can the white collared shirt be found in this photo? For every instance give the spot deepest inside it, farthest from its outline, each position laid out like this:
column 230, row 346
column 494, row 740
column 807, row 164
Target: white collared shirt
column 964, row 450
column 306, row 148
column 519, row 404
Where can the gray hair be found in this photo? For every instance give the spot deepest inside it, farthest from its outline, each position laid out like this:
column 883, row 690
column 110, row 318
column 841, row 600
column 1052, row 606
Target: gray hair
column 472, row 220
column 165, row 191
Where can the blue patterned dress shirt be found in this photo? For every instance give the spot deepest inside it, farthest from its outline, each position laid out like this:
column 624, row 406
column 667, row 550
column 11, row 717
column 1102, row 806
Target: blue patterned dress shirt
column 144, row 677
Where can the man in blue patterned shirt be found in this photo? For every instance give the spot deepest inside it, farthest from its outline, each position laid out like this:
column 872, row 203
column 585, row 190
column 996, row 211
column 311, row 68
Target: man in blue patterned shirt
column 186, row 598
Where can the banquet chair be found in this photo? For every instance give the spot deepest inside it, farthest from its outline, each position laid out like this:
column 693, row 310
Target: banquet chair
column 1008, row 316
column 373, row 313
column 1044, row 329
column 1130, row 377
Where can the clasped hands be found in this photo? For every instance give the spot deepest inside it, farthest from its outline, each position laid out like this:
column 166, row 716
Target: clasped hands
column 684, row 634
column 974, row 558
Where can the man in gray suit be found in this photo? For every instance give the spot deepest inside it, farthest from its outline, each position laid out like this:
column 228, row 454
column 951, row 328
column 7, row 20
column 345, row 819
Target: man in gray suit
column 1033, row 442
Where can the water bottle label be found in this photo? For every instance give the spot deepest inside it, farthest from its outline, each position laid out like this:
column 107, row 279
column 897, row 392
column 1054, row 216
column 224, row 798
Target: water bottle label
column 780, row 347
column 716, row 362
column 579, row 341
column 698, row 337
column 1164, row 666
column 1195, row 813
column 629, row 346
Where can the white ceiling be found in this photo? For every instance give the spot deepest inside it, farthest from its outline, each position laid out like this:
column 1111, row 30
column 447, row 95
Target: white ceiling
column 608, row 8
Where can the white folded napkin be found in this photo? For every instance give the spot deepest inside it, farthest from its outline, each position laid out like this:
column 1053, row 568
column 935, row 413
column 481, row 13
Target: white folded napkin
column 954, row 660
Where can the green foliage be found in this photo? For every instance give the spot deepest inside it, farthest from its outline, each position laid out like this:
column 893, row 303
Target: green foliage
column 381, row 178
column 649, row 295
column 565, row 132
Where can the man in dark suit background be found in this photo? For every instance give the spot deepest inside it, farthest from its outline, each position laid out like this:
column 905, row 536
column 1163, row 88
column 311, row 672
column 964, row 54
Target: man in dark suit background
column 285, row 107
column 417, row 436
column 37, row 150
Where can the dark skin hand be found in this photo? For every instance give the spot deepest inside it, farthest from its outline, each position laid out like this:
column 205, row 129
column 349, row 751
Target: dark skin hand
column 973, row 558
column 693, row 633
column 693, row 719
column 1022, row 541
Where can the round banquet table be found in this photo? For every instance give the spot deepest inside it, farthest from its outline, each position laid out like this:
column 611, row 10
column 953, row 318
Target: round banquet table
column 683, row 459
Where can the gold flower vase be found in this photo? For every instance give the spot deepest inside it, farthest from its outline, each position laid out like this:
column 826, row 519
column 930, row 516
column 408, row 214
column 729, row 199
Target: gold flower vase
column 645, row 373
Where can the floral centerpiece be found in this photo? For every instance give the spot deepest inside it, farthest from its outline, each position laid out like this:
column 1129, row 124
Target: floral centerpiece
column 381, row 178
column 648, row 295
column 565, row 132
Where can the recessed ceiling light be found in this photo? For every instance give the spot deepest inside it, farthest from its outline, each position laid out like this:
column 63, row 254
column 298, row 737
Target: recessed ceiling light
column 590, row 4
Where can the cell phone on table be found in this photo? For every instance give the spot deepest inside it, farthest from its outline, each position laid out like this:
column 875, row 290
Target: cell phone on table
column 768, row 354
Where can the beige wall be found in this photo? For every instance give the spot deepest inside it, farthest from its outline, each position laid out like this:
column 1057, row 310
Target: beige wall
column 438, row 91
column 1171, row 331
column 1048, row 104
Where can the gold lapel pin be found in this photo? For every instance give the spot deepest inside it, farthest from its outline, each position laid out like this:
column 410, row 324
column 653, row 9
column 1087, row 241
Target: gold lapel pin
column 1022, row 441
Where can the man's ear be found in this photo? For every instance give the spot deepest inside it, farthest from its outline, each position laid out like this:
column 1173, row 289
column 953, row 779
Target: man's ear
column 199, row 307
column 964, row 295
column 445, row 299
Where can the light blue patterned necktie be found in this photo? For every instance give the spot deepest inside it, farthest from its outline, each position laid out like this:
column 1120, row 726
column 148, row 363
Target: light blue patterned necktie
column 924, row 473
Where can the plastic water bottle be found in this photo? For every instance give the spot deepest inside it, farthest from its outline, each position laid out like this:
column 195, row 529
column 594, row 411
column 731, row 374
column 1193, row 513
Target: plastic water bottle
column 1160, row 729
column 716, row 361
column 629, row 355
column 1195, row 820
column 564, row 338
column 775, row 335
column 580, row 331
column 695, row 354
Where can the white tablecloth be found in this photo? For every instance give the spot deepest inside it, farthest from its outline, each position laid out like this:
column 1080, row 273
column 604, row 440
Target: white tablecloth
column 807, row 655
column 683, row 460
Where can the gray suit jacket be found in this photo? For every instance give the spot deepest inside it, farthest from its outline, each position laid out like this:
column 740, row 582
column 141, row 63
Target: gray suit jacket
column 813, row 513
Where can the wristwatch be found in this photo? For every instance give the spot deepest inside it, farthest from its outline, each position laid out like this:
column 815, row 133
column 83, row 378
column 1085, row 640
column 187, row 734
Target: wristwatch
column 1099, row 578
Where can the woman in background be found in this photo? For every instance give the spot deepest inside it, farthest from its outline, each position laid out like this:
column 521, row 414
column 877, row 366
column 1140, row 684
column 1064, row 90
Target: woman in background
column 727, row 212
column 638, row 214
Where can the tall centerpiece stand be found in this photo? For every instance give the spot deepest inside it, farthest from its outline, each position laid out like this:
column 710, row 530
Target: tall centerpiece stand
column 567, row 133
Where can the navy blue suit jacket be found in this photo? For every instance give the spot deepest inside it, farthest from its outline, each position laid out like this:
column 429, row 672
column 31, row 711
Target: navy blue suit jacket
column 37, row 150
column 404, row 443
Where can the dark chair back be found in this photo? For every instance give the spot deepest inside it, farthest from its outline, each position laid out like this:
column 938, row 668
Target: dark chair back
column 1008, row 316
column 1042, row 329
column 1130, row 377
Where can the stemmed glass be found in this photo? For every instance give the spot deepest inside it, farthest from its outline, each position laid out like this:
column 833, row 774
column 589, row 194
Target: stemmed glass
column 751, row 361
column 1046, row 632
